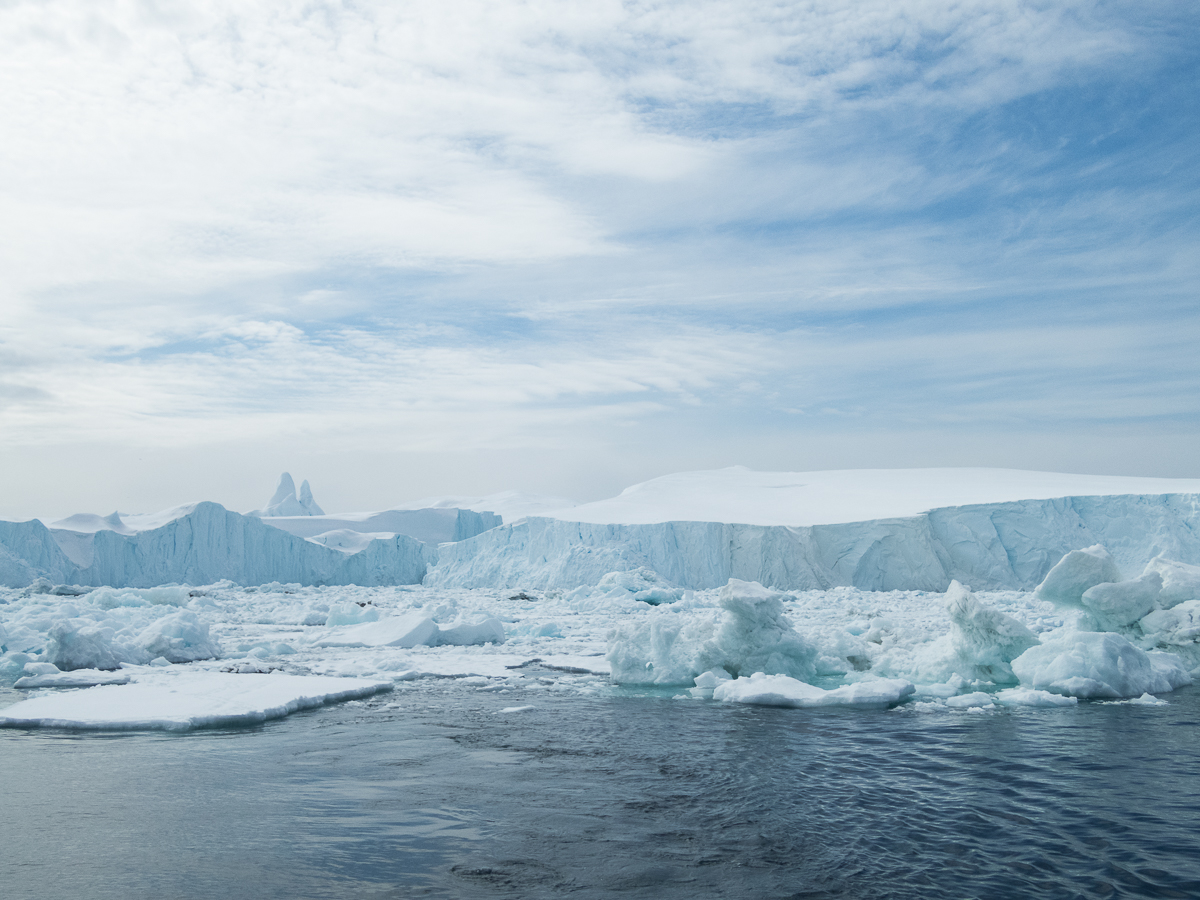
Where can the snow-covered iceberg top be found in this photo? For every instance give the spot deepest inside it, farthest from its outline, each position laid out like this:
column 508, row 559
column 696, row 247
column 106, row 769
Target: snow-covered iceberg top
column 740, row 495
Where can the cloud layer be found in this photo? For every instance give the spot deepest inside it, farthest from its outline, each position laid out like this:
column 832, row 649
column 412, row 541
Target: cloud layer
column 578, row 227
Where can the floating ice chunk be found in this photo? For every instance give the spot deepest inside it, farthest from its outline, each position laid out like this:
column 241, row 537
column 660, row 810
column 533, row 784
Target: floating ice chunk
column 1119, row 604
column 405, row 631
column 1020, row 696
column 1092, row 664
column 1075, row 573
column 712, row 678
column 184, row 702
column 1144, row 700
column 985, row 639
column 975, row 700
column 80, row 644
column 674, row 647
column 75, row 679
column 1180, row 582
column 781, row 690
column 179, row 638
column 489, row 631
column 350, row 613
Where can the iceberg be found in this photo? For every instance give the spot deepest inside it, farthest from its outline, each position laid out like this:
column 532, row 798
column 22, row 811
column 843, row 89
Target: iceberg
column 675, row 647
column 284, row 501
column 1091, row 664
column 1076, row 573
column 986, row 640
column 200, row 543
column 1001, row 546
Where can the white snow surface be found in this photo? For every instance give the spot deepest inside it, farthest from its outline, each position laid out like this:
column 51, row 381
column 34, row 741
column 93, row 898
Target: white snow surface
column 180, row 703
column 743, row 496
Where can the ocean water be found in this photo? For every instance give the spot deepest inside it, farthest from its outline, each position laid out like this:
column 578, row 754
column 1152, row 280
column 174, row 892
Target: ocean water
column 433, row 791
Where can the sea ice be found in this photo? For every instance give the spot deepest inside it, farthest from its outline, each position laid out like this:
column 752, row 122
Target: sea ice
column 781, row 690
column 1091, row 664
column 185, row 701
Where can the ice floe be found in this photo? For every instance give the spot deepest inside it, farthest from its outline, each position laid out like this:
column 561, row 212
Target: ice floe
column 172, row 703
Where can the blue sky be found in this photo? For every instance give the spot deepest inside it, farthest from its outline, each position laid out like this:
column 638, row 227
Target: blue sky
column 433, row 248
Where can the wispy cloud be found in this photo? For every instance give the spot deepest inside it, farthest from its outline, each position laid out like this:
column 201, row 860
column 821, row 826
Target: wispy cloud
column 480, row 225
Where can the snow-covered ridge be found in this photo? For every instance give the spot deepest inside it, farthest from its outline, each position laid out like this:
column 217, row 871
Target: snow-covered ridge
column 742, row 496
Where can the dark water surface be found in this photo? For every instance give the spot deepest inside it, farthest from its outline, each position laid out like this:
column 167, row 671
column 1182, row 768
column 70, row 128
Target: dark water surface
column 619, row 797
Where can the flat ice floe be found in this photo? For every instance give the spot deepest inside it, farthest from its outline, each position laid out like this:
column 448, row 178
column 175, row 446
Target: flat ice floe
column 185, row 701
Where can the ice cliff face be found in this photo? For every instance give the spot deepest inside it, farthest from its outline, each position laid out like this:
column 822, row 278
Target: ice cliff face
column 207, row 543
column 988, row 546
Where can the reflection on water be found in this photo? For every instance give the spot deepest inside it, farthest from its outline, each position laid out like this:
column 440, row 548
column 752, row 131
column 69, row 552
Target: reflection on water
column 442, row 796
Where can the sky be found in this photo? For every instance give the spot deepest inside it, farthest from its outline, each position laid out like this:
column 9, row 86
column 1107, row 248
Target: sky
column 458, row 247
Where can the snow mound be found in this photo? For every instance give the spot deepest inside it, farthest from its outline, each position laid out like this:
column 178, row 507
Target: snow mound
column 985, row 639
column 1075, row 573
column 780, row 690
column 284, row 501
column 185, row 702
column 1104, row 665
column 752, row 636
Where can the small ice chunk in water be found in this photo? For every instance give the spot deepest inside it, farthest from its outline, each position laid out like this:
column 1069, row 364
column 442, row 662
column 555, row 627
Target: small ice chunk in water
column 975, row 700
column 781, row 690
column 1019, row 696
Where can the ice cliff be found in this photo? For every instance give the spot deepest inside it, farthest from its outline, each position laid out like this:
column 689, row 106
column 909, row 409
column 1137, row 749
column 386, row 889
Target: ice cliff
column 202, row 543
column 992, row 546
